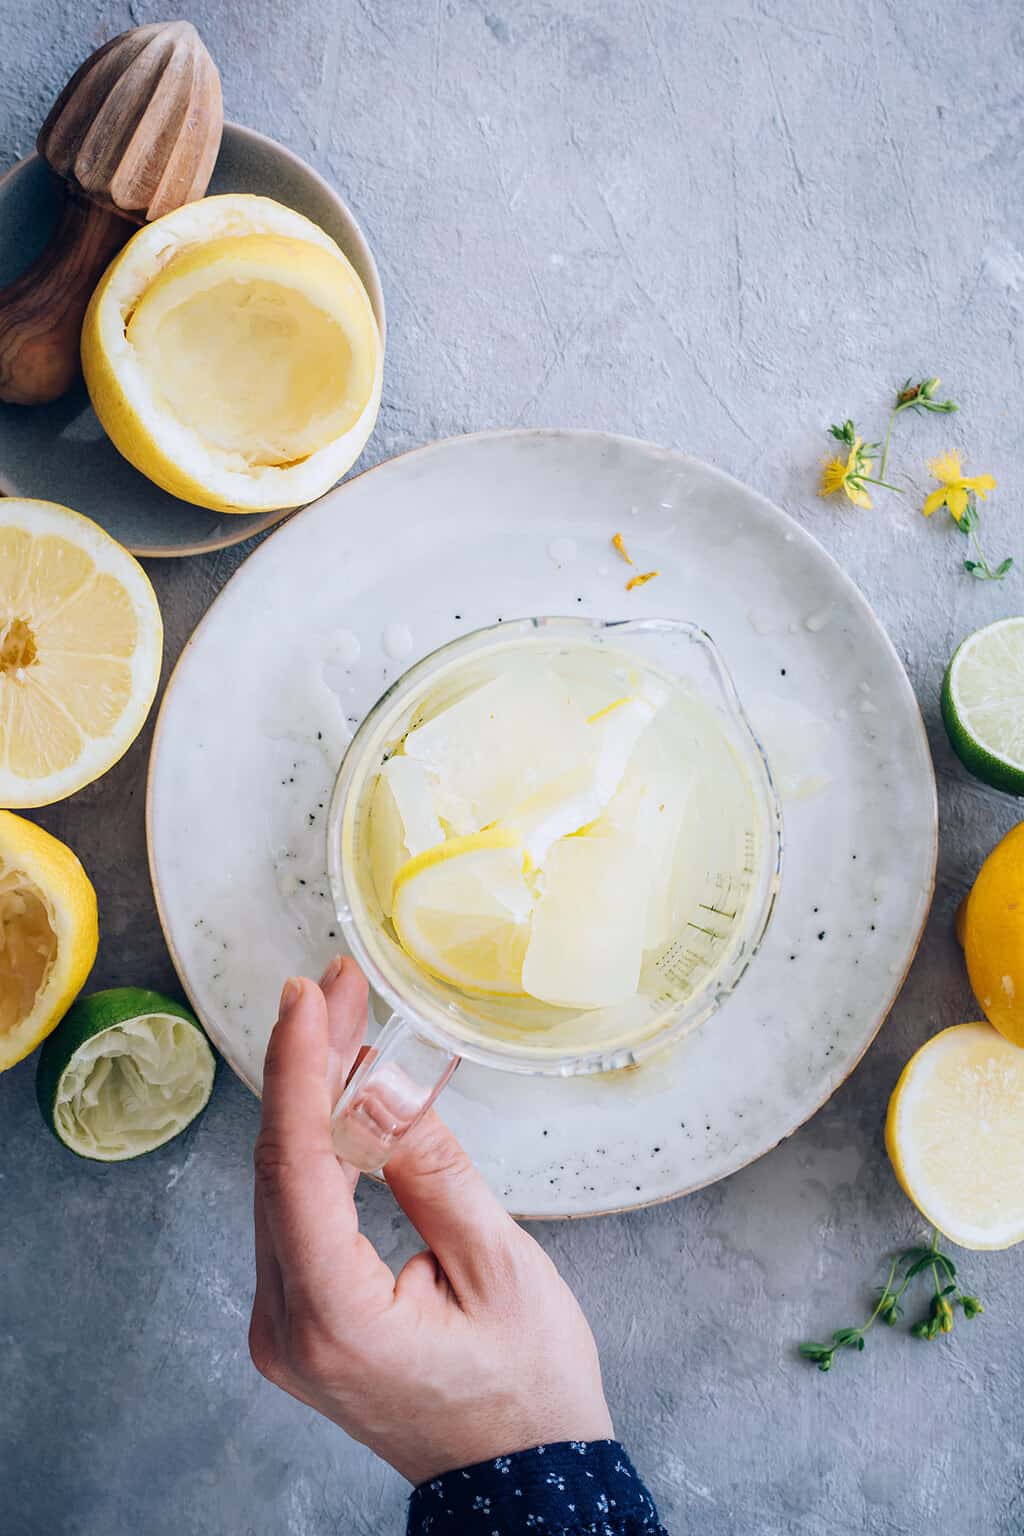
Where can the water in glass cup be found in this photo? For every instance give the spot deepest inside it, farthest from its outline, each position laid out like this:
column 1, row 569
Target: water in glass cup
column 564, row 835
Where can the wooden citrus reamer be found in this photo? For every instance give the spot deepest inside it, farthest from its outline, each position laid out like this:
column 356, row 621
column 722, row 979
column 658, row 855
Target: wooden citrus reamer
column 133, row 134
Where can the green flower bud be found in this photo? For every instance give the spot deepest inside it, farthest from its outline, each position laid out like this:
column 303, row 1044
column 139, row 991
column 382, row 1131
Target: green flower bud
column 889, row 1310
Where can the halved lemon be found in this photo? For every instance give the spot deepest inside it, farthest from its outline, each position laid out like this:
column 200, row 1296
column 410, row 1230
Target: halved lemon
column 462, row 912
column 80, row 646
column 990, row 925
column 48, row 934
column 232, row 354
column 955, row 1135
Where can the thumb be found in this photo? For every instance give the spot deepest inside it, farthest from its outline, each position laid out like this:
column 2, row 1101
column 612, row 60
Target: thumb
column 468, row 1230
column 306, row 1199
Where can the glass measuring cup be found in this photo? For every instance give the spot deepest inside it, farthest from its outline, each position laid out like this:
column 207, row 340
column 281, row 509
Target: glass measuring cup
column 721, row 913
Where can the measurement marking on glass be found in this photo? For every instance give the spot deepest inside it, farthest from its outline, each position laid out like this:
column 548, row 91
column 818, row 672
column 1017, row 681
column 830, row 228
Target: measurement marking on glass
column 709, row 931
column 718, row 911
column 749, row 853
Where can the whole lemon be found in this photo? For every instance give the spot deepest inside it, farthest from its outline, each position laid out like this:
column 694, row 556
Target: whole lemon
column 991, row 928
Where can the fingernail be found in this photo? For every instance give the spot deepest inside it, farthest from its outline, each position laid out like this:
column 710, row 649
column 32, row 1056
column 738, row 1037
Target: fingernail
column 290, row 994
column 332, row 972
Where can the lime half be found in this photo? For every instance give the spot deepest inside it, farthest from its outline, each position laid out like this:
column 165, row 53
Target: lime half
column 983, row 704
column 123, row 1072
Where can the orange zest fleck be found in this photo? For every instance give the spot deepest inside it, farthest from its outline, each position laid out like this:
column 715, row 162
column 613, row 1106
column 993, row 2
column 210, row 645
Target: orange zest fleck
column 641, row 581
column 617, row 543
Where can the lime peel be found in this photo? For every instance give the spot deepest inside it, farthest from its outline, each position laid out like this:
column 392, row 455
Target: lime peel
column 125, row 1071
column 983, row 704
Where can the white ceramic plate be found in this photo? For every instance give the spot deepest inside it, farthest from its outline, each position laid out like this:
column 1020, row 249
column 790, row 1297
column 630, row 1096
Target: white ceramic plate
column 457, row 535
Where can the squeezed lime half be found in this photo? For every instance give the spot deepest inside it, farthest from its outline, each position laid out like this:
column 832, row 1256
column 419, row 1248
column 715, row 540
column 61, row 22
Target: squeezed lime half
column 124, row 1072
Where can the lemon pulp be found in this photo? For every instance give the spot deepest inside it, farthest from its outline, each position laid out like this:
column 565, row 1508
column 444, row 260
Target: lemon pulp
column 48, row 934
column 461, row 910
column 259, row 345
column 125, row 1071
column 232, row 355
column 955, row 1135
column 80, row 649
column 28, row 947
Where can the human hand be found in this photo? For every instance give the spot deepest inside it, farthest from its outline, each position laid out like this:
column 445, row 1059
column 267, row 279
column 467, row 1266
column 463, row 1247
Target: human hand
column 477, row 1350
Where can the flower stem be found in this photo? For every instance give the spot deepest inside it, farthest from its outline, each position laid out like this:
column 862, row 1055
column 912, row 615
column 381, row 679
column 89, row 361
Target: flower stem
column 988, row 572
column 888, row 439
column 884, row 1297
column 883, row 483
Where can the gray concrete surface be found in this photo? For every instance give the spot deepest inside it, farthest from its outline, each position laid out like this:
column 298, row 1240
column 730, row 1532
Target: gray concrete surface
column 720, row 226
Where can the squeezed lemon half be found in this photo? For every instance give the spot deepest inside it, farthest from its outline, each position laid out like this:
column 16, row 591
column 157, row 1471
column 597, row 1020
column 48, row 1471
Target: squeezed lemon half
column 80, row 646
column 48, row 934
column 232, row 355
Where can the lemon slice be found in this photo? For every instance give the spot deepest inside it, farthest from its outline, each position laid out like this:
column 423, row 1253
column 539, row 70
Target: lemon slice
column 402, row 823
column 955, row 1135
column 125, row 1072
column 462, row 912
column 48, row 934
column 80, row 645
column 231, row 352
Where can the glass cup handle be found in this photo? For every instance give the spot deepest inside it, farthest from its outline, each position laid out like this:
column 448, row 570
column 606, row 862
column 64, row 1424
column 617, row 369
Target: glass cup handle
column 395, row 1083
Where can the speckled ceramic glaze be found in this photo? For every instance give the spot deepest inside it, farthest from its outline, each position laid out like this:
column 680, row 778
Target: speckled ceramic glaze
column 60, row 452
column 458, row 535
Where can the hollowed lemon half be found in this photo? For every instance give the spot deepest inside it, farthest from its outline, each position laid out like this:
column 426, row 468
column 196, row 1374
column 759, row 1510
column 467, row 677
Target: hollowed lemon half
column 233, row 357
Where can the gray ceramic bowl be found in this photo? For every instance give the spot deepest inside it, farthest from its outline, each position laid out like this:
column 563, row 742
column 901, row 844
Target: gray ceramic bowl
column 60, row 452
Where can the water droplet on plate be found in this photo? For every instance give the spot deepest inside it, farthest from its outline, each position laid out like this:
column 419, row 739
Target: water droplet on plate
column 762, row 621
column 345, row 648
column 398, row 640
column 818, row 619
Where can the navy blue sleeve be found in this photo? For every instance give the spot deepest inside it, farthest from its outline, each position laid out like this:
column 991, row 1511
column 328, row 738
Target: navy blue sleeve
column 575, row 1488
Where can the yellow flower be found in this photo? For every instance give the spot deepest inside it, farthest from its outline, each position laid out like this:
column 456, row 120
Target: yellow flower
column 837, row 476
column 954, row 486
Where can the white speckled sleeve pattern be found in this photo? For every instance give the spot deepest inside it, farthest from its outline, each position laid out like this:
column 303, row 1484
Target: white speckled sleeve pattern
column 574, row 1488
